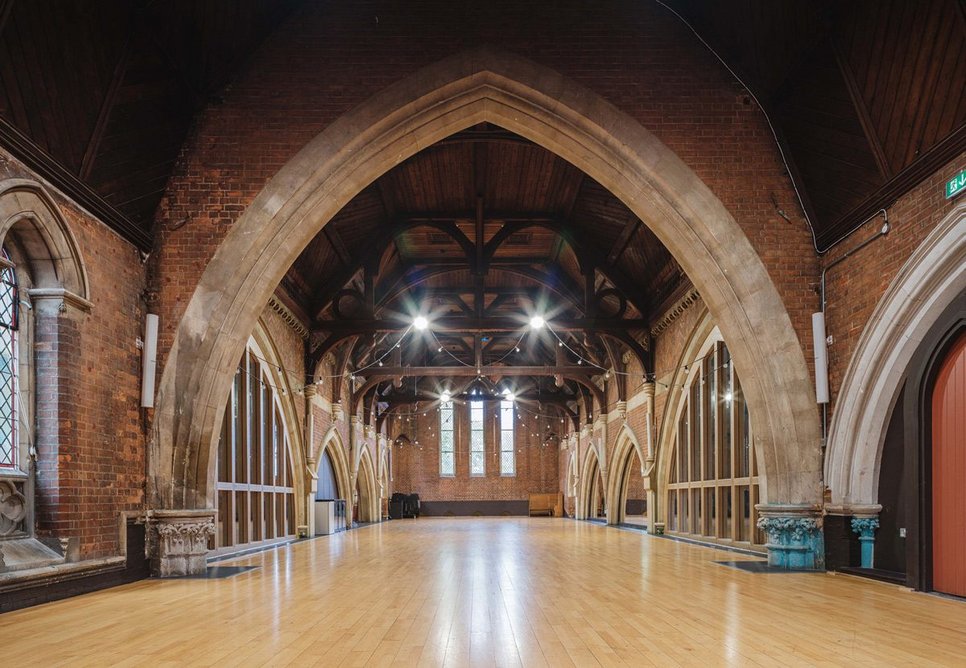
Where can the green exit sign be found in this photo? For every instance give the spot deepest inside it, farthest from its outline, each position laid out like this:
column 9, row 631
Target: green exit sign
column 956, row 185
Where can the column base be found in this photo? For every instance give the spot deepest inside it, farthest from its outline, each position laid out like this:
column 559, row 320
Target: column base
column 795, row 539
column 178, row 541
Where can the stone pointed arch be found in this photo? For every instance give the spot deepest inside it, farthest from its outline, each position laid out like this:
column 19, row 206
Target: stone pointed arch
column 332, row 444
column 368, row 491
column 483, row 85
column 589, row 472
column 929, row 281
column 29, row 213
column 627, row 445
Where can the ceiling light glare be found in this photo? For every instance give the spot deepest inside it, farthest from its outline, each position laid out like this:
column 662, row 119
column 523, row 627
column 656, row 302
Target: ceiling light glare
column 420, row 322
column 445, row 397
column 536, row 322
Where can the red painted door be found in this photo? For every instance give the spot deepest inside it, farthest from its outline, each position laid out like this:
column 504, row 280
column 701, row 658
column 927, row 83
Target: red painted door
column 949, row 473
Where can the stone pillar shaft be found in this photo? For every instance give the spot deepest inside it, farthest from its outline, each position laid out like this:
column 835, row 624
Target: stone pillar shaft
column 866, row 527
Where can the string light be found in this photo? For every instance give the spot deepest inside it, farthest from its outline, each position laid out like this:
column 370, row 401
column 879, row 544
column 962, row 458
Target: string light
column 379, row 362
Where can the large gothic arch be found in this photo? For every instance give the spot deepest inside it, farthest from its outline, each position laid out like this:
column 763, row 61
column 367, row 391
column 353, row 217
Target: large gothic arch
column 929, row 281
column 482, row 85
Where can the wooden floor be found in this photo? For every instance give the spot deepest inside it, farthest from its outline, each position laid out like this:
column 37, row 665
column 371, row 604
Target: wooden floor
column 531, row 592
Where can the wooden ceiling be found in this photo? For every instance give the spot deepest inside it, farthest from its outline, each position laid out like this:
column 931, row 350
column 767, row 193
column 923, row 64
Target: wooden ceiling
column 98, row 96
column 866, row 98
column 481, row 231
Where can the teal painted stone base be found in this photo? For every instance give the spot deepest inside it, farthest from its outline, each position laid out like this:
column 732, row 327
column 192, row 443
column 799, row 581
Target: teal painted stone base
column 865, row 527
column 795, row 539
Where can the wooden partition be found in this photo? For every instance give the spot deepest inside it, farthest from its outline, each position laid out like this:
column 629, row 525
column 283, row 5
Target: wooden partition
column 548, row 503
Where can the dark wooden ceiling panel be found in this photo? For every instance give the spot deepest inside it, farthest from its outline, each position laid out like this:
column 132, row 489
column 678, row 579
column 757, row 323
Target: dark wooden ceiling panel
column 847, row 85
column 108, row 89
column 864, row 95
column 909, row 60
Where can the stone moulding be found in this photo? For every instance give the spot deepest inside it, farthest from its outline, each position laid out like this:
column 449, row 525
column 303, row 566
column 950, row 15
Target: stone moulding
column 292, row 320
column 674, row 311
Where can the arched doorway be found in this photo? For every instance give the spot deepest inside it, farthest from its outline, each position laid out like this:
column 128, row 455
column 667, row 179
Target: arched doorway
column 591, row 502
column 366, row 507
column 930, row 280
column 948, row 469
column 333, row 478
column 478, row 86
column 627, row 492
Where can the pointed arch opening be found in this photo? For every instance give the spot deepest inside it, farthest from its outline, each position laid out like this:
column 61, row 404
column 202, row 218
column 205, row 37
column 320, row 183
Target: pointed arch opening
column 926, row 285
column 626, row 489
column 484, row 85
column 592, row 497
column 259, row 481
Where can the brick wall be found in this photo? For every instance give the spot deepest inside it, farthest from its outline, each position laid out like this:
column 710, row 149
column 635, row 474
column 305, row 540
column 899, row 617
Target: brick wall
column 100, row 463
column 855, row 286
column 330, row 57
column 416, row 467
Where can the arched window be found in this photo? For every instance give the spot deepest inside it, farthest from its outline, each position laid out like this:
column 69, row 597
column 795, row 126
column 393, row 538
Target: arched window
column 256, row 500
column 9, row 404
column 507, row 452
column 477, row 443
column 713, row 482
column 447, row 442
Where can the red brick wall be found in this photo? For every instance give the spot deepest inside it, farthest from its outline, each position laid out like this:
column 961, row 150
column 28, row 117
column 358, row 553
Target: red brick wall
column 416, row 468
column 331, row 57
column 668, row 347
column 101, row 457
column 855, row 286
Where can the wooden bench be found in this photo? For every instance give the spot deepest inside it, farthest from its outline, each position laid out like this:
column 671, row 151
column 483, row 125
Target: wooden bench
column 550, row 504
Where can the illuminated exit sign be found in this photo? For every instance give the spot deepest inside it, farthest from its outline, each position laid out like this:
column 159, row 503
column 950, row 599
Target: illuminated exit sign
column 956, row 185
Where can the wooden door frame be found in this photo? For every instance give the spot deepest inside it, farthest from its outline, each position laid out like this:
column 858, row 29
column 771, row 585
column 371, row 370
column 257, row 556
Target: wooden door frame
column 917, row 409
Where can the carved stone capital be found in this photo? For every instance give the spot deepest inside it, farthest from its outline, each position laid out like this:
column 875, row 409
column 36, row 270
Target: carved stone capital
column 338, row 412
column 621, row 409
column 795, row 539
column 13, row 507
column 179, row 544
column 865, row 526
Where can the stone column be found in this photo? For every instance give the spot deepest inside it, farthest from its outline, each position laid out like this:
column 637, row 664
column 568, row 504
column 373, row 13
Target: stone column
column 795, row 539
column 311, row 465
column 866, row 526
column 179, row 541
column 56, row 346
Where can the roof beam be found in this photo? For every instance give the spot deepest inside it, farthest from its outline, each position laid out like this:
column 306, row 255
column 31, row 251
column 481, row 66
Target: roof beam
column 494, row 324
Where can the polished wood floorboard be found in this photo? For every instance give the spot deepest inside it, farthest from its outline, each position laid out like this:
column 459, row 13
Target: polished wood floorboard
column 493, row 592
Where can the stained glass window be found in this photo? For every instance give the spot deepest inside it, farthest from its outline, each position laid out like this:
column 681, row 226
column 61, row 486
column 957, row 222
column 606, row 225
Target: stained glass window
column 8, row 365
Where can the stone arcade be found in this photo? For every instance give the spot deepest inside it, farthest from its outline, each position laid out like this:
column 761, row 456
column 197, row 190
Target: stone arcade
column 588, row 261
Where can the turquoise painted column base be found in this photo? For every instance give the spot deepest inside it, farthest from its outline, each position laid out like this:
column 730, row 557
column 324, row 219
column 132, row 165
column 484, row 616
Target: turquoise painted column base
column 866, row 527
column 795, row 538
